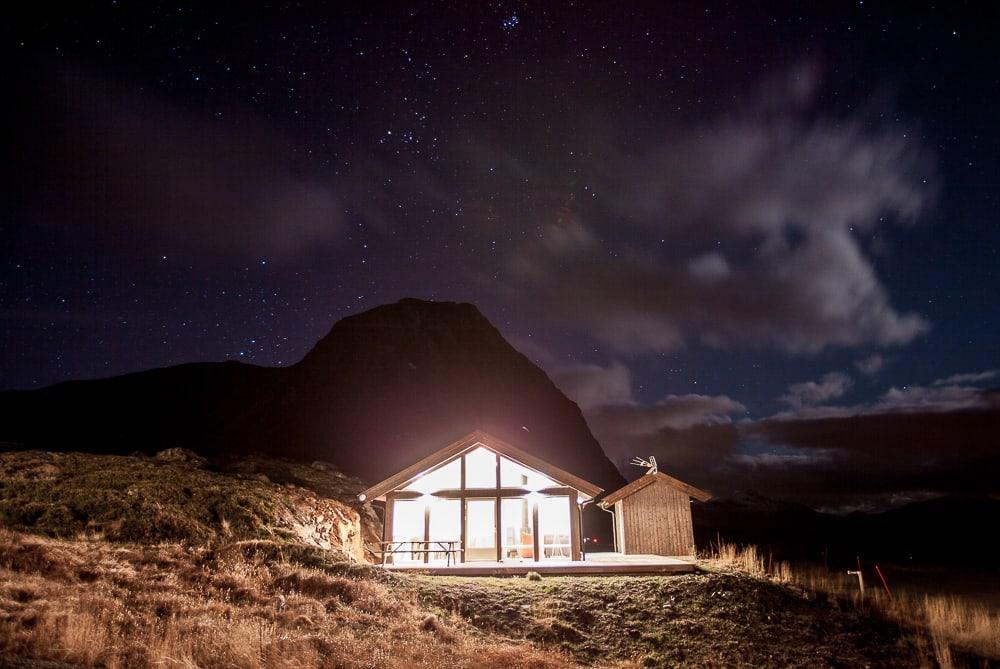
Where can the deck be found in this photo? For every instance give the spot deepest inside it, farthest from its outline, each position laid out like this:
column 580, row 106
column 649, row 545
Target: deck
column 596, row 564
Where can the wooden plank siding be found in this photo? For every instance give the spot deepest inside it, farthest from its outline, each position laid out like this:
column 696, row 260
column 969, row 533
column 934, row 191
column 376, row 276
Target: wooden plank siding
column 656, row 520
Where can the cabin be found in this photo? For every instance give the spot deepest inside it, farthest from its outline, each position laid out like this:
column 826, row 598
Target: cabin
column 653, row 515
column 481, row 499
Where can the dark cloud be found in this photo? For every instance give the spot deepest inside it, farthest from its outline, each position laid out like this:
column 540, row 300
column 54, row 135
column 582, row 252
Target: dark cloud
column 689, row 434
column 605, row 393
column 752, row 229
column 132, row 172
column 907, row 444
column 911, row 441
column 831, row 386
column 940, row 396
column 878, row 453
column 675, row 412
column 871, row 365
column 594, row 386
column 969, row 377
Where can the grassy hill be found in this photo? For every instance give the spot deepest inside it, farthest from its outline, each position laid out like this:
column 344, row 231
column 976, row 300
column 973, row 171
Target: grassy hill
column 177, row 496
column 174, row 562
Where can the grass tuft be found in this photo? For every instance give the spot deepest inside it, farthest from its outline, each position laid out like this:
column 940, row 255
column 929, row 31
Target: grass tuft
column 952, row 625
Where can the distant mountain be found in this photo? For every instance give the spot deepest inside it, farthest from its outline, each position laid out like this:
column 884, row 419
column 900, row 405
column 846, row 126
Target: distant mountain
column 952, row 529
column 785, row 528
column 381, row 390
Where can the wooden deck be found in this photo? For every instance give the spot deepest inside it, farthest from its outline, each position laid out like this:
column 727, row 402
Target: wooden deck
column 596, row 564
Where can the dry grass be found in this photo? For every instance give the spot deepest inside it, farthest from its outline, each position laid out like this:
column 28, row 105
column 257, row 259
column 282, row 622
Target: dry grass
column 98, row 604
column 137, row 499
column 953, row 626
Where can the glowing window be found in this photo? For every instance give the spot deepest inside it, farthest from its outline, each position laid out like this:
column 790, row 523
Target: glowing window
column 513, row 475
column 481, row 469
column 446, row 525
column 408, row 525
column 446, row 519
column 516, row 529
column 448, row 477
column 553, row 528
column 481, row 527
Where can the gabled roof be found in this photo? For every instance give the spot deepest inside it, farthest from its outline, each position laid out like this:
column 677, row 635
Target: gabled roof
column 649, row 479
column 468, row 443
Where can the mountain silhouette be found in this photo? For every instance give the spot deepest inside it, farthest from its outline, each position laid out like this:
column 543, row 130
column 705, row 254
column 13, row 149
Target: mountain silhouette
column 382, row 389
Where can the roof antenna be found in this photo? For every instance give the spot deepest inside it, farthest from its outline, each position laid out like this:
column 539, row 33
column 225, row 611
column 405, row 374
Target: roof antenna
column 650, row 464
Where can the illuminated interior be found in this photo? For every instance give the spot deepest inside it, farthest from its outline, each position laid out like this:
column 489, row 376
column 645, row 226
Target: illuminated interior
column 480, row 533
column 481, row 469
column 517, row 516
column 553, row 528
column 428, row 512
column 408, row 525
column 443, row 478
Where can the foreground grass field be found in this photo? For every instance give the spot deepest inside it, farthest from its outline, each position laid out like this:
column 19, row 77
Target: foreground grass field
column 171, row 562
column 268, row 604
column 962, row 631
column 248, row 604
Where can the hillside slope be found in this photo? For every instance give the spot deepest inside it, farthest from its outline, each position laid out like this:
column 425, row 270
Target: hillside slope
column 247, row 605
column 173, row 561
column 175, row 498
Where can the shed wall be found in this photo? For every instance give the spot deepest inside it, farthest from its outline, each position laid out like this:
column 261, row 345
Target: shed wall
column 656, row 520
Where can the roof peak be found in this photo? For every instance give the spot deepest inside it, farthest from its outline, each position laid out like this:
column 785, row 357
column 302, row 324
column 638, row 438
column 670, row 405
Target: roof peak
column 648, row 479
column 495, row 444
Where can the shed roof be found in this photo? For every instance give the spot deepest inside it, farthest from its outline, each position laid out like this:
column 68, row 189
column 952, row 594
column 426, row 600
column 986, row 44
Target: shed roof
column 468, row 443
column 648, row 479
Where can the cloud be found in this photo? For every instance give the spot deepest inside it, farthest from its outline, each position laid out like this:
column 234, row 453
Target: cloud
column 592, row 385
column 932, row 439
column 829, row 387
column 134, row 173
column 676, row 412
column 783, row 460
column 935, row 438
column 605, row 394
column 752, row 229
column 972, row 377
column 681, row 430
column 934, row 398
column 910, row 442
column 709, row 267
column 871, row 365
column 877, row 453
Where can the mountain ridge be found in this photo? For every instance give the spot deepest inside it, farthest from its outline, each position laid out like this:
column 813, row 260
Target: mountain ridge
column 381, row 389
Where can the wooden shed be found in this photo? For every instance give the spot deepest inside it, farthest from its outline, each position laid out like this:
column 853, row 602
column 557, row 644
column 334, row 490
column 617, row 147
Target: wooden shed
column 653, row 515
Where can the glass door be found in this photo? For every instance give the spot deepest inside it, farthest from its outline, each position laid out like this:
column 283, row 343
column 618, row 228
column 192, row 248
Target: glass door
column 516, row 529
column 480, row 530
column 445, row 526
column 554, row 528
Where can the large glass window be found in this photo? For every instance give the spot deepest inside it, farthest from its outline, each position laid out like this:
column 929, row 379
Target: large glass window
column 516, row 529
column 481, row 530
column 446, row 524
column 481, row 469
column 513, row 475
column 408, row 525
column 448, row 477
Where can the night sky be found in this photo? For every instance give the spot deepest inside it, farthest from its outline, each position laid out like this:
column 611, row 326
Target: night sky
column 729, row 231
